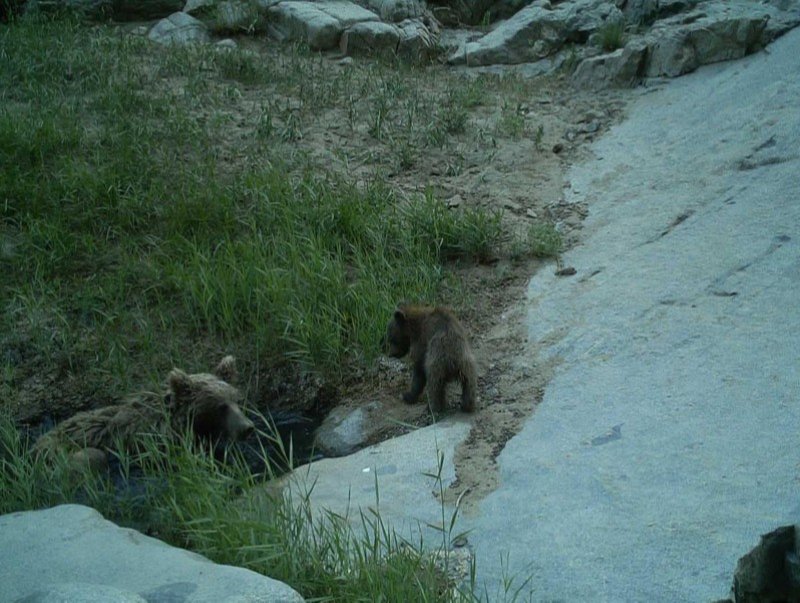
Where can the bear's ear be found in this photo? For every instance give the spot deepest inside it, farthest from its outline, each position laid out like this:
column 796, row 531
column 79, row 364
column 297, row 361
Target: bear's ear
column 226, row 369
column 400, row 315
column 180, row 383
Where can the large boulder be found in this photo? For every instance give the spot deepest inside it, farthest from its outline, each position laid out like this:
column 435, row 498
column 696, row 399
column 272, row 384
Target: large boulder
column 319, row 24
column 179, row 28
column 537, row 31
column 622, row 68
column 710, row 33
column 224, row 15
column 771, row 571
column 395, row 11
column 71, row 549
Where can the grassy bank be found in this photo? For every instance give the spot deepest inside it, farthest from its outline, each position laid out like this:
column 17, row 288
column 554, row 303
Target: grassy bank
column 152, row 211
column 162, row 206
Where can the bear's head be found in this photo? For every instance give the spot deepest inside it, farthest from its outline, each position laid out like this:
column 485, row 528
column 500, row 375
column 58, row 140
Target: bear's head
column 209, row 404
column 398, row 338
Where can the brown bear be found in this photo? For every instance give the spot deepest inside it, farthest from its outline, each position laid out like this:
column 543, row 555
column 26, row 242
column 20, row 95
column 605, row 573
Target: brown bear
column 205, row 403
column 439, row 350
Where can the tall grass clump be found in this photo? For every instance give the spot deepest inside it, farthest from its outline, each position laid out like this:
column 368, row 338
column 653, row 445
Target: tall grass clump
column 611, row 35
column 473, row 232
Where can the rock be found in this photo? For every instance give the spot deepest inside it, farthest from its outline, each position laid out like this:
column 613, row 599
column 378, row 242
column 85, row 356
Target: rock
column 768, row 572
column 417, row 41
column 644, row 12
column 622, row 68
column 320, row 25
column 396, row 10
column 179, row 28
column 538, row 31
column 227, row 15
column 343, row 431
column 72, row 549
column 78, row 592
column 226, row 44
column 372, row 37
column 717, row 32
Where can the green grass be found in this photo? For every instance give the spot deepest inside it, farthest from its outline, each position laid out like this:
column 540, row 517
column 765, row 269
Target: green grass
column 129, row 218
column 612, row 35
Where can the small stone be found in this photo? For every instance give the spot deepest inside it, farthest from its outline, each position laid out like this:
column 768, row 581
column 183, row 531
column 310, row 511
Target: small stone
column 566, row 271
column 557, row 148
column 226, row 44
column 346, row 61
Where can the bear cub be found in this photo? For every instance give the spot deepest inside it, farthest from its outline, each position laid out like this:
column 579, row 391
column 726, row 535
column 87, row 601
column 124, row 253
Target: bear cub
column 207, row 404
column 439, row 351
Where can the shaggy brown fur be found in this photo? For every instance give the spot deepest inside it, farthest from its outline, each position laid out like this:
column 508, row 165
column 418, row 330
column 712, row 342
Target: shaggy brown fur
column 439, row 350
column 206, row 403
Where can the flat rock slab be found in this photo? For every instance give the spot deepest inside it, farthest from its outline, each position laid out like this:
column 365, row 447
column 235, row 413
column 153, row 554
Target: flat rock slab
column 666, row 442
column 401, row 468
column 70, row 553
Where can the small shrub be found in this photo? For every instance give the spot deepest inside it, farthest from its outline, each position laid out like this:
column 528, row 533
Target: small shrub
column 611, row 35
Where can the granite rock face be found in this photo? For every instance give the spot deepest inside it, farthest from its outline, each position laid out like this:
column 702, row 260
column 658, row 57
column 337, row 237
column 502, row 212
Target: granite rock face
column 70, row 553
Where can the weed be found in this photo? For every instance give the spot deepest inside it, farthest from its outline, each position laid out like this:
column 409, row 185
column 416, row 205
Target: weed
column 543, row 241
column 512, row 120
column 472, row 232
column 611, row 35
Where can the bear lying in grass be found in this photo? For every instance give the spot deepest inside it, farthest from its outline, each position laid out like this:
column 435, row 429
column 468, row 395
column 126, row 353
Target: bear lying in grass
column 205, row 404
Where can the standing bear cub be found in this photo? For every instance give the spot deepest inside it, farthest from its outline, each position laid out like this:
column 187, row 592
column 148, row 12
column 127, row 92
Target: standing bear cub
column 207, row 404
column 439, row 350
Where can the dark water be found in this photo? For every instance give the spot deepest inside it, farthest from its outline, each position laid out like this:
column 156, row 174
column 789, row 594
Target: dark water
column 296, row 433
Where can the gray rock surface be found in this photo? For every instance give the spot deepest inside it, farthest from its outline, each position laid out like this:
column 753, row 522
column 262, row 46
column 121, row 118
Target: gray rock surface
column 662, row 38
column 71, row 551
column 224, row 15
column 78, row 592
column 402, row 469
column 344, row 430
column 179, row 28
column 622, row 68
column 666, row 440
column 537, row 31
column 679, row 333
column 396, row 10
column 319, row 24
column 711, row 33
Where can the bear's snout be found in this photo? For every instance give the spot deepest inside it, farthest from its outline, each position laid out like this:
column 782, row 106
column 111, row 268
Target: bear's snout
column 239, row 427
